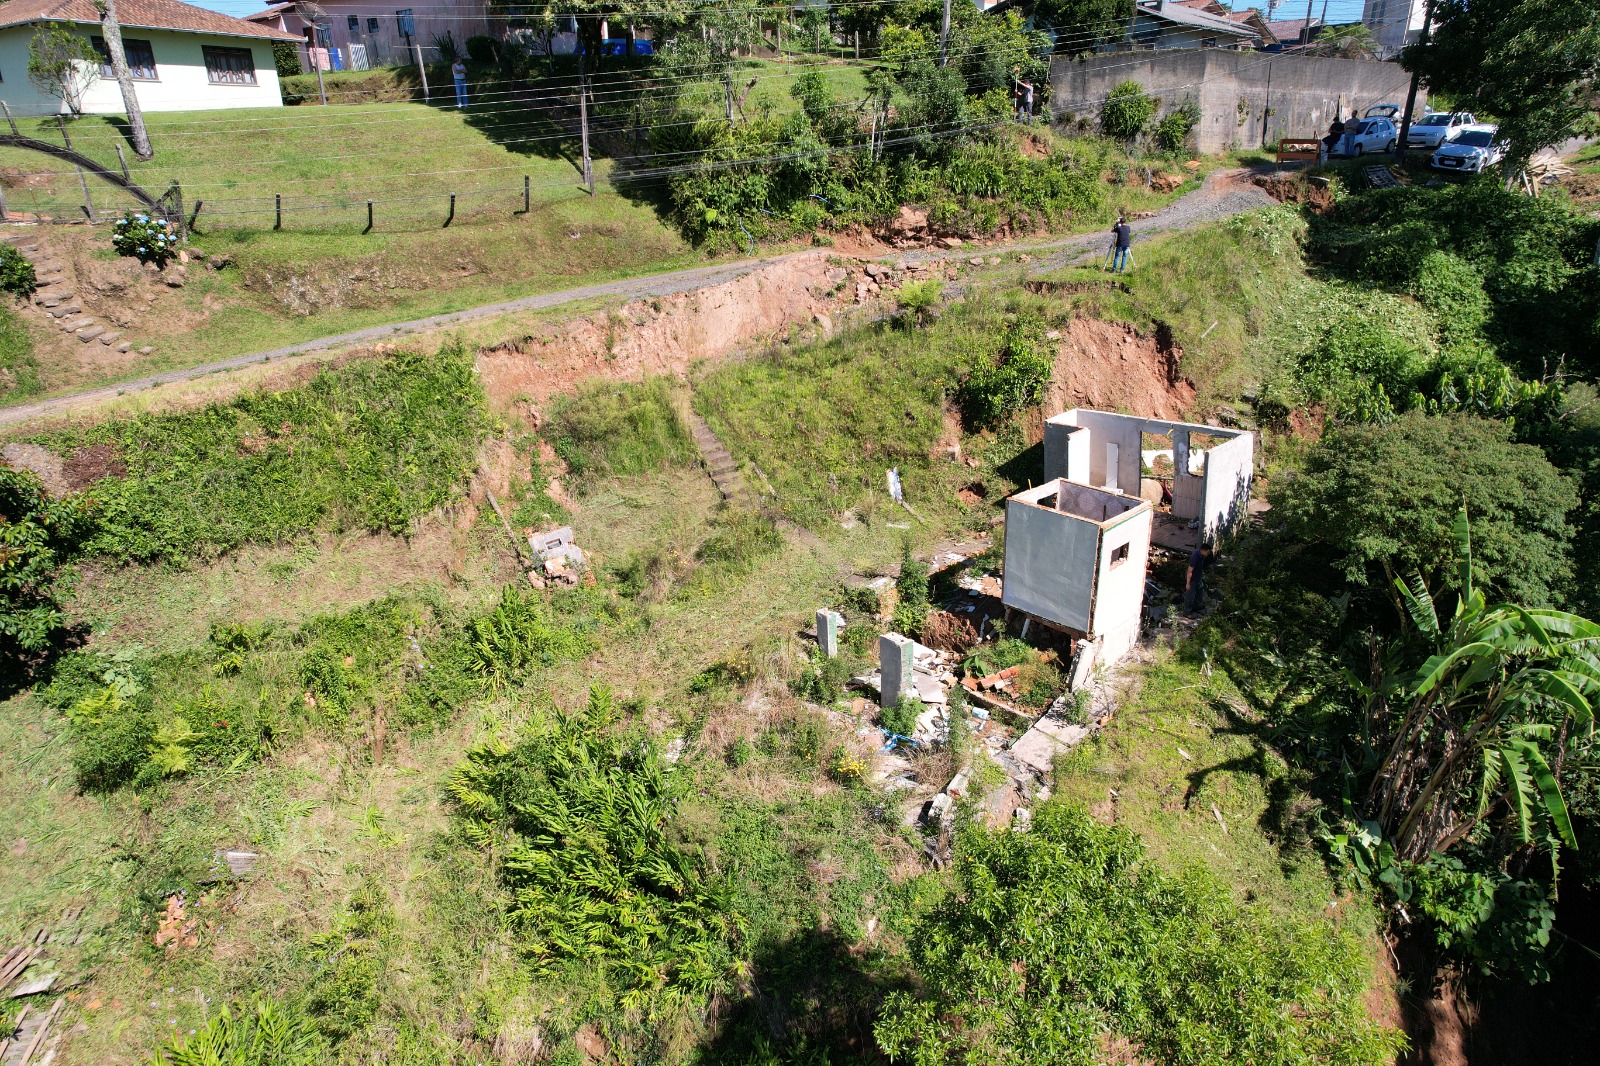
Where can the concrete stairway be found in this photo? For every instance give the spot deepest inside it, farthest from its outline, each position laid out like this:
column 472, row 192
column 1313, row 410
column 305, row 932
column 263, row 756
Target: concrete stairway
column 720, row 465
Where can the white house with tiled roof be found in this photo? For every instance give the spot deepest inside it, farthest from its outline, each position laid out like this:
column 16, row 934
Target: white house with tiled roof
column 183, row 58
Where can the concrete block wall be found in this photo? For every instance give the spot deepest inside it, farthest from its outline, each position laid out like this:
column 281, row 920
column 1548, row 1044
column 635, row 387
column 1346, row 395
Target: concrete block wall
column 1246, row 99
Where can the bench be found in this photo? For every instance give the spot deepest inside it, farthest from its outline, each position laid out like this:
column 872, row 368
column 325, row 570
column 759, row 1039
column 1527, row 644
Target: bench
column 1299, row 150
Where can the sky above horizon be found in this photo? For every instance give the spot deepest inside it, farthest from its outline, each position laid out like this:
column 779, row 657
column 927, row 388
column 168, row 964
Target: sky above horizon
column 1338, row 10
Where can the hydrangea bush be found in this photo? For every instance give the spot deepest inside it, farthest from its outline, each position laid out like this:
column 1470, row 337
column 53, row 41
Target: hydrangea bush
column 147, row 239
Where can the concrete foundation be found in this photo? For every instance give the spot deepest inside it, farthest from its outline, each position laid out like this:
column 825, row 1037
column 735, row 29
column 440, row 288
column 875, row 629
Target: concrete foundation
column 896, row 660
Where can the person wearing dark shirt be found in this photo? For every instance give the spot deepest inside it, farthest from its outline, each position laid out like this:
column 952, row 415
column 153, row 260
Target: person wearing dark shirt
column 1122, row 242
column 1194, row 584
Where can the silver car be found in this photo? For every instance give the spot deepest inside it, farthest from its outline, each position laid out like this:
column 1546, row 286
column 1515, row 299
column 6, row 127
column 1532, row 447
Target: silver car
column 1472, row 151
column 1364, row 135
column 1434, row 129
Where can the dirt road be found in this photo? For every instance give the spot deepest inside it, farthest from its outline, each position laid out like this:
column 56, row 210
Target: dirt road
column 1222, row 194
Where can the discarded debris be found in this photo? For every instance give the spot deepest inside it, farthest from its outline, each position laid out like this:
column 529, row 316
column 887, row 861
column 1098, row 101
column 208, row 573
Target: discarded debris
column 557, row 558
column 176, row 930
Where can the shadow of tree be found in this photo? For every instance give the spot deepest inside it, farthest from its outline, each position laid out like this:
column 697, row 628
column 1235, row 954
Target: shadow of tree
column 813, row 998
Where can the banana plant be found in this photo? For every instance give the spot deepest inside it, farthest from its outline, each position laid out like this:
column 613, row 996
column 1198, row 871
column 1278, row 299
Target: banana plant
column 1478, row 731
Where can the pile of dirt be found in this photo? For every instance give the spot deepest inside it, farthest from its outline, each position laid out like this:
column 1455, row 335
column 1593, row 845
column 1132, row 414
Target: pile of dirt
column 1583, row 188
column 1114, row 367
column 1297, row 189
column 665, row 335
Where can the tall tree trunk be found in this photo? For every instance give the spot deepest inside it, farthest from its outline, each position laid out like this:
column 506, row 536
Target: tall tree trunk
column 119, row 66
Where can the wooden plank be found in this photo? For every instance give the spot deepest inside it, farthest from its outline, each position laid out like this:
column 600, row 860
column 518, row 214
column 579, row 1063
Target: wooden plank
column 40, row 1033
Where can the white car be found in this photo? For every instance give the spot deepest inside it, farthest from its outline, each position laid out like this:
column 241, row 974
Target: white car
column 1473, row 151
column 1365, row 135
column 1436, row 128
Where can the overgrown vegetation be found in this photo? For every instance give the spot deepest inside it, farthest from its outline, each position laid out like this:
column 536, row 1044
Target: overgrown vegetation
column 619, row 429
column 38, row 537
column 1063, row 943
column 374, row 445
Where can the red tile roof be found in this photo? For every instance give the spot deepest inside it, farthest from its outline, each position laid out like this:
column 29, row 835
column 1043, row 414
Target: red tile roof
column 137, row 15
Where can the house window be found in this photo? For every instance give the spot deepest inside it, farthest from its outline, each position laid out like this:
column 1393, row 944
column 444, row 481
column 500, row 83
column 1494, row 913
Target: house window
column 1119, row 556
column 372, row 25
column 230, row 66
column 405, row 23
column 355, row 23
column 141, row 60
column 1208, row 42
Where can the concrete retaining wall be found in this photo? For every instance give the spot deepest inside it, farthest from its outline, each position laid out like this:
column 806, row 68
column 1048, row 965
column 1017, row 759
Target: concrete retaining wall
column 1246, row 99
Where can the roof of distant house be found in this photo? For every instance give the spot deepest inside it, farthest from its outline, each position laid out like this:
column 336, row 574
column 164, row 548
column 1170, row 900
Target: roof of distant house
column 137, row 15
column 1194, row 18
column 1289, row 30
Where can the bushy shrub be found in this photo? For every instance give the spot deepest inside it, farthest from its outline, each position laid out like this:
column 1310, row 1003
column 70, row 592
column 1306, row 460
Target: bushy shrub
column 823, row 679
column 112, row 741
column 145, row 238
column 1172, row 132
column 1452, row 288
column 483, row 49
column 16, row 272
column 999, row 386
column 39, row 536
column 286, row 57
column 1362, row 370
column 1037, row 918
column 580, row 814
column 1127, row 110
column 901, row 718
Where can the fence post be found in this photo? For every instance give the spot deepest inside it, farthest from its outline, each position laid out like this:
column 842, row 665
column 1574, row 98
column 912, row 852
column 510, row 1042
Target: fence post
column 10, row 119
column 61, row 120
column 177, row 209
column 124, row 161
column 88, row 204
column 369, row 218
column 198, row 204
column 526, row 203
column 452, row 217
column 277, row 204
column 2, row 205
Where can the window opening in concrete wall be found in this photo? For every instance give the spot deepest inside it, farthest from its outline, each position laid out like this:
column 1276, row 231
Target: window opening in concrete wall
column 1119, row 555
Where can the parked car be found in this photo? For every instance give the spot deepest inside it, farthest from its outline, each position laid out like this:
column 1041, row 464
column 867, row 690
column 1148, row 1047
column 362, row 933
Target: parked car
column 1474, row 150
column 1365, row 135
column 1434, row 129
column 1388, row 111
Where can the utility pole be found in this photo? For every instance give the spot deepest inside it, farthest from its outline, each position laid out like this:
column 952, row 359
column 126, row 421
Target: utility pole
column 119, row 67
column 583, row 122
column 1305, row 34
column 1411, row 95
column 944, row 36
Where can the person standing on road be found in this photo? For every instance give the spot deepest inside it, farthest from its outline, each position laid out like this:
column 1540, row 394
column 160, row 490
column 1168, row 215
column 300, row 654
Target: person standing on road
column 1194, row 581
column 459, row 70
column 1122, row 244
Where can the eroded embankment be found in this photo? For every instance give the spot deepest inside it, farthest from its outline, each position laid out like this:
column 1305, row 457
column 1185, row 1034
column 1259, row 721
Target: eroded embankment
column 666, row 334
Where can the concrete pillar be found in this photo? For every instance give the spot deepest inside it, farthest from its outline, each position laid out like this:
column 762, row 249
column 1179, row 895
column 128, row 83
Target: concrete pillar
column 828, row 623
column 1180, row 453
column 896, row 655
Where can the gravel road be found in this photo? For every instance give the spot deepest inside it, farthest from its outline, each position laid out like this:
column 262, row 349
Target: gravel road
column 1222, row 194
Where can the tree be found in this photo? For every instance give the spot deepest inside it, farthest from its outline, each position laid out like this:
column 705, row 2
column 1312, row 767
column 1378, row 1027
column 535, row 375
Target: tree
column 119, row 66
column 1078, row 25
column 62, row 64
column 1480, row 728
column 703, row 41
column 1376, row 502
column 1350, row 41
column 1532, row 63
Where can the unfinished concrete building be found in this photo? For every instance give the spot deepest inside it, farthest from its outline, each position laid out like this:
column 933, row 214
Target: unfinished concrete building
column 1208, row 488
column 1075, row 558
column 1078, row 546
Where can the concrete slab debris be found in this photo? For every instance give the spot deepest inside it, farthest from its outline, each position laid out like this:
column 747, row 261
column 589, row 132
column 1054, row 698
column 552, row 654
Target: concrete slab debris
column 896, row 659
column 828, row 624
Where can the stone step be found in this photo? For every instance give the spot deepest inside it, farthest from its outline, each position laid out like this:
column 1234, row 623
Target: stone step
column 63, row 312
column 109, row 339
column 125, row 346
column 87, row 335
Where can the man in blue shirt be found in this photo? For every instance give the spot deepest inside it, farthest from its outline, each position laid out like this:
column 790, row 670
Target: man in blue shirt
column 1122, row 239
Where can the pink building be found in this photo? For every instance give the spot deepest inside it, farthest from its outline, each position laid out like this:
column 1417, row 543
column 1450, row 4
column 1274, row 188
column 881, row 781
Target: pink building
column 356, row 36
